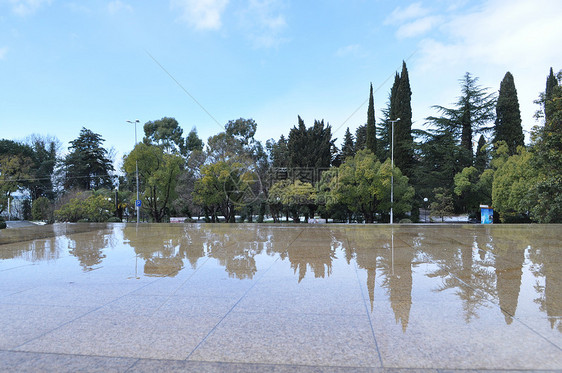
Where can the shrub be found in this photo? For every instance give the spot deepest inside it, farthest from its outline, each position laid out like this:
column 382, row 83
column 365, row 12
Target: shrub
column 95, row 208
column 41, row 209
column 114, row 219
column 2, row 223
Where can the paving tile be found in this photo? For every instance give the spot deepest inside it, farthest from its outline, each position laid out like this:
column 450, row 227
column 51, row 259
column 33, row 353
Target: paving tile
column 324, row 340
column 164, row 337
column 11, row 361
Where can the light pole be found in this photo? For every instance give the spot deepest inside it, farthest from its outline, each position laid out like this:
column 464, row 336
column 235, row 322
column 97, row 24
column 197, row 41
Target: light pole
column 136, row 169
column 392, row 172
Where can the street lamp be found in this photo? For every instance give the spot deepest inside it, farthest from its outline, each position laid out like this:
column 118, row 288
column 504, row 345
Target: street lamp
column 392, row 172
column 137, row 169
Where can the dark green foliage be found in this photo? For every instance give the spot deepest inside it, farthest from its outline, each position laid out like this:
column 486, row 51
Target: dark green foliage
column 165, row 132
column 508, row 116
column 473, row 112
column 87, row 166
column 348, row 148
column 2, row 223
column 278, row 152
column 551, row 83
column 310, row 147
column 371, row 140
column 482, row 155
column 193, row 142
column 403, row 141
column 442, row 204
column 360, row 138
column 42, row 209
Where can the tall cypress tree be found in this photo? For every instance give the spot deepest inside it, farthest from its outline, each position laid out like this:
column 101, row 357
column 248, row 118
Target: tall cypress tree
column 481, row 158
column 508, row 116
column 551, row 82
column 371, row 141
column 403, row 140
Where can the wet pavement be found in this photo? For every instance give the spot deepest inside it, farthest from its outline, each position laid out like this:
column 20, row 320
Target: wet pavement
column 249, row 297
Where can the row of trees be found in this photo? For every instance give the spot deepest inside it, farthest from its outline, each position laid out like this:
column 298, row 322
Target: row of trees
column 305, row 174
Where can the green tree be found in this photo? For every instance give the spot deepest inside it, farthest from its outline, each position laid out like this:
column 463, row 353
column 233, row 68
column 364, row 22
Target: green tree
column 551, row 84
column 472, row 113
column 223, row 188
column 193, row 142
column 165, row 132
column 310, row 147
column 508, row 116
column 474, row 188
column 14, row 173
column 360, row 138
column 403, row 140
column 363, row 185
column 348, row 148
column 371, row 140
column 278, row 152
column 481, row 159
column 87, row 166
column 513, row 181
column 44, row 158
column 86, row 206
column 158, row 176
column 42, row 209
column 546, row 194
column 442, row 204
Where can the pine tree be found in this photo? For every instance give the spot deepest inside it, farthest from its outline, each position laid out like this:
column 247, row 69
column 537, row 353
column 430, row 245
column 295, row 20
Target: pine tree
column 348, row 149
column 371, row 140
column 474, row 110
column 87, row 164
column 403, row 140
column 508, row 116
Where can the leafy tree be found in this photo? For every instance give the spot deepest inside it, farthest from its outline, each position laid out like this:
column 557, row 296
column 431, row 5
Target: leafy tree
column 165, row 132
column 551, row 84
column 158, row 176
column 371, row 140
column 363, row 185
column 86, row 206
column 296, row 197
column 44, row 158
column 42, row 209
column 508, row 116
column 474, row 188
column 473, row 112
column 443, row 203
column 193, row 142
column 14, row 173
column 223, row 188
column 513, row 180
column 87, row 166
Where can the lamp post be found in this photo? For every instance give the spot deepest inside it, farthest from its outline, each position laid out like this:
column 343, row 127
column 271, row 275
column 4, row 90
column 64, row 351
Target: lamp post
column 392, row 172
column 136, row 169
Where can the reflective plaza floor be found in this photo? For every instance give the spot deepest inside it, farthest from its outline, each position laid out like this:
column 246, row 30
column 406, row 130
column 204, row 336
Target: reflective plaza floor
column 250, row 297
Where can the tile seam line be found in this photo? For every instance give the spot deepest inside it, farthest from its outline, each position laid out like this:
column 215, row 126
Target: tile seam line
column 366, row 309
column 83, row 315
column 284, row 365
column 239, row 300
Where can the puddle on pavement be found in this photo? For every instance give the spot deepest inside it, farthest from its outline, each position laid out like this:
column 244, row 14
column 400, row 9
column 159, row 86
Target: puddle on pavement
column 470, row 273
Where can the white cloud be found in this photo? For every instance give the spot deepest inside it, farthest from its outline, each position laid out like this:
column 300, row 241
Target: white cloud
column 201, row 14
column 264, row 23
column 117, row 6
column 27, row 7
column 400, row 15
column 496, row 37
column 418, row 27
column 3, row 52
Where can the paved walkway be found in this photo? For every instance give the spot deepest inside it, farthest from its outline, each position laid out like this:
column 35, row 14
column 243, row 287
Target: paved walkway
column 274, row 298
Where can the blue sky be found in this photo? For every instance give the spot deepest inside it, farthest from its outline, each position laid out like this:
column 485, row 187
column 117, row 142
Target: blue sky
column 65, row 65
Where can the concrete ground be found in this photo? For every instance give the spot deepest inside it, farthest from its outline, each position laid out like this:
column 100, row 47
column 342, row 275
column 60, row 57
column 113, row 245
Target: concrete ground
column 280, row 298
